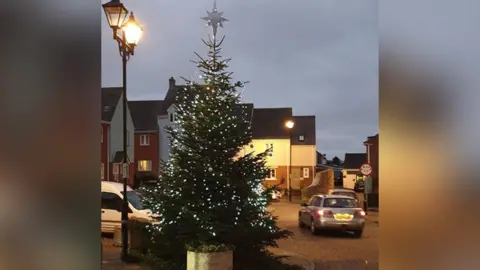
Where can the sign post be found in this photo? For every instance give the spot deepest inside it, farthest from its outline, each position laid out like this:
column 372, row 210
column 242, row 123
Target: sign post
column 366, row 170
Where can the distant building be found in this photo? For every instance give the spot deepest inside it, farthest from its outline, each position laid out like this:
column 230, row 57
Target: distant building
column 371, row 145
column 112, row 139
column 351, row 168
column 147, row 149
column 268, row 131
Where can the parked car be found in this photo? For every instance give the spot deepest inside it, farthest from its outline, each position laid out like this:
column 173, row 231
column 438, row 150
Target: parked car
column 343, row 192
column 332, row 212
column 112, row 203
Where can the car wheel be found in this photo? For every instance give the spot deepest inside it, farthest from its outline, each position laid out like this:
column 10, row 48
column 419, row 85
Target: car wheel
column 358, row 233
column 313, row 228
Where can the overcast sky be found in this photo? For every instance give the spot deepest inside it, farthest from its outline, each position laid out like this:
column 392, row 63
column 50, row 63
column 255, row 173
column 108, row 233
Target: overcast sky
column 318, row 57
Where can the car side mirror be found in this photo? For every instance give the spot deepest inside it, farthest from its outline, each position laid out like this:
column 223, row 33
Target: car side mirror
column 304, row 204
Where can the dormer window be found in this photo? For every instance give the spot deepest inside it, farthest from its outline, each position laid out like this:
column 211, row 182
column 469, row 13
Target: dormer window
column 172, row 117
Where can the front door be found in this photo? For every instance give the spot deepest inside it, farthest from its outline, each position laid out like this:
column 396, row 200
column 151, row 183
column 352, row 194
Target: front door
column 296, row 175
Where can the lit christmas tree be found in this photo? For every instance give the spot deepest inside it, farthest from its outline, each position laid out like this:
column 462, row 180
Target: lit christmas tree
column 210, row 196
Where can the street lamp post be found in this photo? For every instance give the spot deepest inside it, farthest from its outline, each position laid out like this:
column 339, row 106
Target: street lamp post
column 130, row 34
column 289, row 125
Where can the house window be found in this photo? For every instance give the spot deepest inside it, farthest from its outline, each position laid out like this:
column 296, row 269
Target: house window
column 144, row 140
column 173, row 117
column 306, row 172
column 272, row 174
column 301, row 138
column 144, row 165
column 102, row 171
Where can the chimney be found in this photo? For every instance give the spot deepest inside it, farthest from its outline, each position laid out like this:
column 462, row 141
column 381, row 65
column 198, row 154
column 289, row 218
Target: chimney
column 171, row 83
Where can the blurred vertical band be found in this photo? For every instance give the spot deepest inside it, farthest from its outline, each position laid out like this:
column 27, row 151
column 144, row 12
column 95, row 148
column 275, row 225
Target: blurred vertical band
column 429, row 65
column 49, row 116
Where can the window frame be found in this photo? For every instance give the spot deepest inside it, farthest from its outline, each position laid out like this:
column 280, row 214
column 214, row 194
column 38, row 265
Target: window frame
column 144, row 140
column 269, row 177
column 307, row 170
column 115, row 197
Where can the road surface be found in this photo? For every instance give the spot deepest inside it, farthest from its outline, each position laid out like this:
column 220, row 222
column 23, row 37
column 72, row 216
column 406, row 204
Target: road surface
column 333, row 250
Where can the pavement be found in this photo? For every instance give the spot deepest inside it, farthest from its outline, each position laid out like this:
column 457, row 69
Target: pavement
column 111, row 258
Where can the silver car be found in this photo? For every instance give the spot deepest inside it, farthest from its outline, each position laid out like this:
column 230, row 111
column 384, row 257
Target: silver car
column 332, row 212
column 344, row 192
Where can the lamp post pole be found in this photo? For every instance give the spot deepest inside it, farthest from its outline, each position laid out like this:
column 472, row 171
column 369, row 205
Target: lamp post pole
column 124, row 54
column 289, row 125
column 130, row 34
column 290, row 168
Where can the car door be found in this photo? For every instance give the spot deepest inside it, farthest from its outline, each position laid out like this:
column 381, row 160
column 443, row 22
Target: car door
column 304, row 213
column 111, row 212
column 311, row 209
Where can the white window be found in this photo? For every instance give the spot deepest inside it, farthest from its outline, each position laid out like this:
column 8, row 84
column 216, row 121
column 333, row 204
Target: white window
column 301, row 138
column 306, row 172
column 102, row 171
column 144, row 165
column 272, row 174
column 173, row 117
column 144, row 140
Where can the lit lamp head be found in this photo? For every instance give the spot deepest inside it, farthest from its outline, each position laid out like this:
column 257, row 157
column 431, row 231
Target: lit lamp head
column 133, row 31
column 116, row 15
column 289, row 124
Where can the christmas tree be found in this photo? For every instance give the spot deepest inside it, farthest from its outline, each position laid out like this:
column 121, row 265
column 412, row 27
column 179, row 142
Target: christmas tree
column 211, row 194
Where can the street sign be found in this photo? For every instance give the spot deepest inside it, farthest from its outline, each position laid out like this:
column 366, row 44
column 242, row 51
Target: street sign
column 366, row 169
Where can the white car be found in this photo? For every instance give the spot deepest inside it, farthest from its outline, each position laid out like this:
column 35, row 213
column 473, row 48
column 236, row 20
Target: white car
column 112, row 201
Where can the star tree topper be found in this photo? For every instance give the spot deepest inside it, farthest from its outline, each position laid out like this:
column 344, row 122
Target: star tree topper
column 215, row 18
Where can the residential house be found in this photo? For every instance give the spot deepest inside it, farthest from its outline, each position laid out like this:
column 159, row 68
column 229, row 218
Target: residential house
column 269, row 132
column 144, row 115
column 112, row 113
column 321, row 159
column 371, row 145
column 351, row 168
column 104, row 157
column 304, row 154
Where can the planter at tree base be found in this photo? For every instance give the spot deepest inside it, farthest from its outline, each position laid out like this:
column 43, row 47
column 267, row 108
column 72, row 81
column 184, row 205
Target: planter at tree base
column 210, row 261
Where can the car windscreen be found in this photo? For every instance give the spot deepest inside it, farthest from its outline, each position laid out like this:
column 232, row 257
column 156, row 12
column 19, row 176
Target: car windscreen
column 134, row 199
column 339, row 203
column 342, row 193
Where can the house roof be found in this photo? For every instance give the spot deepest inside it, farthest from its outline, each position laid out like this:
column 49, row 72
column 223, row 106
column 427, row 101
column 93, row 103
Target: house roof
column 270, row 122
column 371, row 140
column 304, row 126
column 118, row 158
column 144, row 113
column 354, row 160
column 110, row 98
